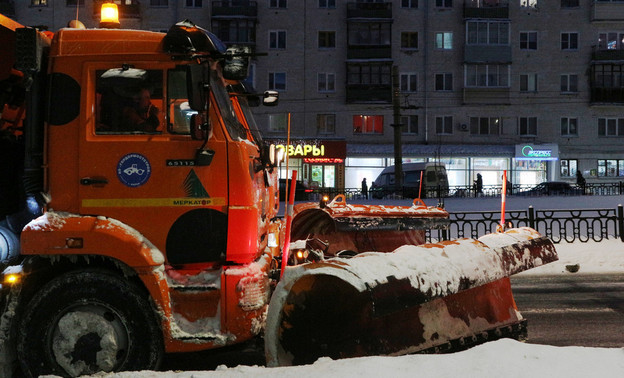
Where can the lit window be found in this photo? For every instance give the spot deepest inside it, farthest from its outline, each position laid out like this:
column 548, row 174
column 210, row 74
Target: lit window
column 444, row 40
column 363, row 124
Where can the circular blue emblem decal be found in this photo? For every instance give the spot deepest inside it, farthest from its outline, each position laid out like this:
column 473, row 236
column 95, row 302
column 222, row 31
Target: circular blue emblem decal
column 133, row 170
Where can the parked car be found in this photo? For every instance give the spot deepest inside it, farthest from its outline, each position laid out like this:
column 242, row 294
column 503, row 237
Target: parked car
column 434, row 177
column 302, row 191
column 553, row 188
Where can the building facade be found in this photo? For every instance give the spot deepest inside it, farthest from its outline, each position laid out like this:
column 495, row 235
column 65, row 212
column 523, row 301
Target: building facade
column 534, row 87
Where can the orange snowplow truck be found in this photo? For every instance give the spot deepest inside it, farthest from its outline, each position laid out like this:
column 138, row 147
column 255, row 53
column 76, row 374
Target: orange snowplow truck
column 138, row 217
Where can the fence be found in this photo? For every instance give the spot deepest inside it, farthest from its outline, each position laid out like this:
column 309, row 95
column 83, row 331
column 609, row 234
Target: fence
column 602, row 189
column 558, row 225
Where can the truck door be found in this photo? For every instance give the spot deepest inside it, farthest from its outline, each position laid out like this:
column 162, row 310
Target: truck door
column 137, row 162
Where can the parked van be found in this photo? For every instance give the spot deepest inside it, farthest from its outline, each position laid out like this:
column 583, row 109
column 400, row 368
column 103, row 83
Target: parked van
column 434, row 177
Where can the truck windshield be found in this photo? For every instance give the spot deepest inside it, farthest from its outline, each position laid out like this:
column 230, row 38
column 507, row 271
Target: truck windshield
column 234, row 127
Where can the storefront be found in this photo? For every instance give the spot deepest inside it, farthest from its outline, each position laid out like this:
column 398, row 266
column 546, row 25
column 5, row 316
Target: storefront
column 462, row 162
column 535, row 163
column 320, row 163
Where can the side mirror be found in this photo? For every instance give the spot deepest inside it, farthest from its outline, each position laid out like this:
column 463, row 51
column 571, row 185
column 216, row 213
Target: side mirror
column 271, row 98
column 195, row 86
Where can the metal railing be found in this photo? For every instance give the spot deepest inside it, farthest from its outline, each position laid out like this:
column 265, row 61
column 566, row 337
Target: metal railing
column 602, row 189
column 558, row 225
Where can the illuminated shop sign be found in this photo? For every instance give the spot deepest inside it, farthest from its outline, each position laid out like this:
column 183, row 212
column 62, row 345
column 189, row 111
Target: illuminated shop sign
column 323, row 160
column 319, row 151
column 537, row 152
column 302, row 150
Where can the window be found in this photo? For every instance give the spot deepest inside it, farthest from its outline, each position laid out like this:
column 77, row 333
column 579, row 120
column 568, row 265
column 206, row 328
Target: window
column 569, row 3
column 444, row 3
column 277, row 81
column 369, row 34
column 408, row 82
column 278, row 122
column 444, row 82
column 235, row 30
column 409, row 4
column 611, row 127
column 487, row 32
column 610, row 168
column 528, row 40
column 487, row 75
column 444, row 40
column 326, row 123
column 326, row 39
column 528, row 82
column 367, row 124
column 569, row 126
column 159, row 3
column 568, row 167
column 610, row 41
column 375, row 74
column 485, row 125
column 73, row 3
column 39, row 3
column 409, row 40
column 326, row 82
column 277, row 3
column 528, row 3
column 130, row 107
column 528, row 126
column 277, row 39
column 193, row 3
column 569, row 83
column 327, row 4
column 444, row 125
column 569, row 41
column 409, row 124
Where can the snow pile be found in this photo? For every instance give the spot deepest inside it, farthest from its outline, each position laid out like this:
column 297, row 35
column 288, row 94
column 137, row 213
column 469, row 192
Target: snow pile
column 503, row 358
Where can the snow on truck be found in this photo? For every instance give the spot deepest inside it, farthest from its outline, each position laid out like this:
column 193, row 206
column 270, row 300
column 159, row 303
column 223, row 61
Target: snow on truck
column 122, row 241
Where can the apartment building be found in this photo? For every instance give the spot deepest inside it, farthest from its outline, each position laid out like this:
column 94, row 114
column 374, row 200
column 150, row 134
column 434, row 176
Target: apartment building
column 533, row 87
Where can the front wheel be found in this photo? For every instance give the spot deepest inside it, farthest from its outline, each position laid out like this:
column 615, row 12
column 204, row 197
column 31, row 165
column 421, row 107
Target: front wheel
column 87, row 322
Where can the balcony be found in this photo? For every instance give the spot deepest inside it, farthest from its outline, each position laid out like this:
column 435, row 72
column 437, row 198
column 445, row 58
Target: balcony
column 486, row 96
column 607, row 11
column 612, row 55
column 234, row 8
column 369, row 52
column 369, row 93
column 608, row 96
column 369, row 10
column 127, row 9
column 487, row 54
column 486, row 9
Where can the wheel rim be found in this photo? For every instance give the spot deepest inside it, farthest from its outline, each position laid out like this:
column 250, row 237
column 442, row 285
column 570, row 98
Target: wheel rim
column 89, row 338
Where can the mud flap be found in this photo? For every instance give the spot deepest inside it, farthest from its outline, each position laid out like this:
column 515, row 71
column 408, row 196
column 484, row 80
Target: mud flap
column 417, row 298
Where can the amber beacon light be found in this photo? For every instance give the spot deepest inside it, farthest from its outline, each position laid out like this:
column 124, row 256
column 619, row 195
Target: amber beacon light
column 109, row 16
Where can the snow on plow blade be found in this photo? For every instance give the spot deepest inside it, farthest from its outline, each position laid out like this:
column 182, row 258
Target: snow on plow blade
column 426, row 298
column 362, row 228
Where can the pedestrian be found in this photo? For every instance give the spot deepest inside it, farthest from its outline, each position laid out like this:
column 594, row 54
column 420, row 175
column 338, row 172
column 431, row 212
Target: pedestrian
column 478, row 184
column 364, row 188
column 507, row 185
column 580, row 181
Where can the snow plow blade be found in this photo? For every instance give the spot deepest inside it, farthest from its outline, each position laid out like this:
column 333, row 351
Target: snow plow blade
column 360, row 228
column 429, row 298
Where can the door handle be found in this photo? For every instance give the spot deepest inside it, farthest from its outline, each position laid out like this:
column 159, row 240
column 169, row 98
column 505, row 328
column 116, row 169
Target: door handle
column 95, row 181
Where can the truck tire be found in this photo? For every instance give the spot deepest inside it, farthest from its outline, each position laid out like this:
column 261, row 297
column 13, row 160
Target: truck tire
column 85, row 322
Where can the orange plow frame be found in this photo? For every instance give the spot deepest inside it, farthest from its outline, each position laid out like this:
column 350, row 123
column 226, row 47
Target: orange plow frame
column 433, row 297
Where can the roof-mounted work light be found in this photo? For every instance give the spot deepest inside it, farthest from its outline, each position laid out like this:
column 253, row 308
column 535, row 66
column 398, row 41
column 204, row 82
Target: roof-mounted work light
column 109, row 16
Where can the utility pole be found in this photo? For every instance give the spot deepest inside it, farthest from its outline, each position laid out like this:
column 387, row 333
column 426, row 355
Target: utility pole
column 396, row 123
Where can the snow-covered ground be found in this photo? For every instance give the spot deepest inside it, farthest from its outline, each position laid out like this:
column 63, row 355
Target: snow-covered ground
column 502, row 358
